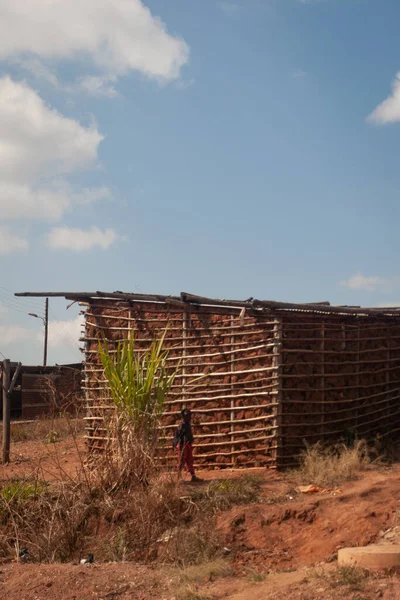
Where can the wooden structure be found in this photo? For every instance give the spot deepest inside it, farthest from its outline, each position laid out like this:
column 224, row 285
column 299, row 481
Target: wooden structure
column 277, row 374
column 40, row 391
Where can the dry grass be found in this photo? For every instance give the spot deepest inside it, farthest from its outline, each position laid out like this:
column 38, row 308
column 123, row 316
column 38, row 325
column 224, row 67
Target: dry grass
column 191, row 592
column 117, row 506
column 256, row 577
column 207, row 571
column 48, row 430
column 222, row 495
column 352, row 578
column 192, row 544
column 65, row 520
column 328, row 466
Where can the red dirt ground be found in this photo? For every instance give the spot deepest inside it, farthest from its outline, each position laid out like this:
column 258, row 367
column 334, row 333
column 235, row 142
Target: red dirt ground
column 278, row 540
column 311, row 529
column 51, row 459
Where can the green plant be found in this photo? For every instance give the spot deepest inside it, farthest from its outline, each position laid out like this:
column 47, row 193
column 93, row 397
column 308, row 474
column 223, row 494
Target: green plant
column 19, row 491
column 139, row 382
column 349, row 576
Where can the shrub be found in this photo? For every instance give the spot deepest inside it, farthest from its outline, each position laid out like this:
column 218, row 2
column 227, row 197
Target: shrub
column 325, row 466
column 222, row 495
column 139, row 382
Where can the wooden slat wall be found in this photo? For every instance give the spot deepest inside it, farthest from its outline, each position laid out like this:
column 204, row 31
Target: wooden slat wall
column 235, row 406
column 339, row 376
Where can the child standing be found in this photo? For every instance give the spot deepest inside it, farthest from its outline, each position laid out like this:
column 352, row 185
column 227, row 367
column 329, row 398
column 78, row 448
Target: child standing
column 183, row 442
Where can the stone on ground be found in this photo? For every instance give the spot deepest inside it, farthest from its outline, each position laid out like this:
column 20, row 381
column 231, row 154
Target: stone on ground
column 371, row 557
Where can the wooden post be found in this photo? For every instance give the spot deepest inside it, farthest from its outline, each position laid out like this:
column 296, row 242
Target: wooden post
column 46, row 331
column 277, row 363
column 387, row 380
column 184, row 344
column 6, row 411
column 322, row 348
column 357, row 378
column 232, row 392
column 343, row 336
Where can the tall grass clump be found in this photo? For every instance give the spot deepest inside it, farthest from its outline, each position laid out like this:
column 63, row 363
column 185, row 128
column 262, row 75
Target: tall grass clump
column 139, row 382
column 222, row 495
column 326, row 466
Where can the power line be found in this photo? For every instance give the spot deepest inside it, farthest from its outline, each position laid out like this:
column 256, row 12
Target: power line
column 18, row 307
column 23, row 306
column 69, row 341
column 20, row 301
column 65, row 331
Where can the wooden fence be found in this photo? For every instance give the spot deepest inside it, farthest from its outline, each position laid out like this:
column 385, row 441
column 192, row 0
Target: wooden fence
column 340, row 378
column 234, row 407
column 276, row 376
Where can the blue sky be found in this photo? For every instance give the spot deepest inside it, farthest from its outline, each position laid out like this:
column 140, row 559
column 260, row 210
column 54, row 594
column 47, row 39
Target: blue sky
column 231, row 149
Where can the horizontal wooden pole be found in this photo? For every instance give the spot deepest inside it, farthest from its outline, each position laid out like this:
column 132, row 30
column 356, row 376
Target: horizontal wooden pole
column 205, row 423
column 342, row 400
column 329, row 375
column 339, row 431
column 227, row 435
column 196, row 337
column 314, row 324
column 344, row 362
column 338, row 340
column 340, row 352
column 168, row 319
column 339, row 389
column 232, row 453
column 328, row 422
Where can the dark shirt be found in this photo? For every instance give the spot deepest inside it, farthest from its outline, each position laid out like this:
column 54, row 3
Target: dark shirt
column 183, row 435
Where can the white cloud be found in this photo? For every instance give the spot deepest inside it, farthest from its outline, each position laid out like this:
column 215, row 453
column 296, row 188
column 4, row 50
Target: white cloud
column 371, row 284
column 39, row 148
column 116, row 36
column 36, row 68
column 389, row 110
column 22, row 201
column 97, row 86
column 64, row 332
column 94, row 85
column 69, row 238
column 15, row 333
column 11, row 242
column 36, row 140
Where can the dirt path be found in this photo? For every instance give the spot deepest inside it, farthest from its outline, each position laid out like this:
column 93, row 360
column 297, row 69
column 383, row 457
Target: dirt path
column 74, row 582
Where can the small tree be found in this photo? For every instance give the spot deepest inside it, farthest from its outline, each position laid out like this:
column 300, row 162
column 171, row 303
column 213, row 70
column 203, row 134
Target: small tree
column 139, row 382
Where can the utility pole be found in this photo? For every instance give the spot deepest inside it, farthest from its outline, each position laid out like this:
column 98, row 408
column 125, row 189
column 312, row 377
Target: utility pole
column 46, row 331
column 45, row 320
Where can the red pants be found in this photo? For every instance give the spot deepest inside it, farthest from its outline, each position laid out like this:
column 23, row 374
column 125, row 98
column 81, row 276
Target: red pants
column 185, row 458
